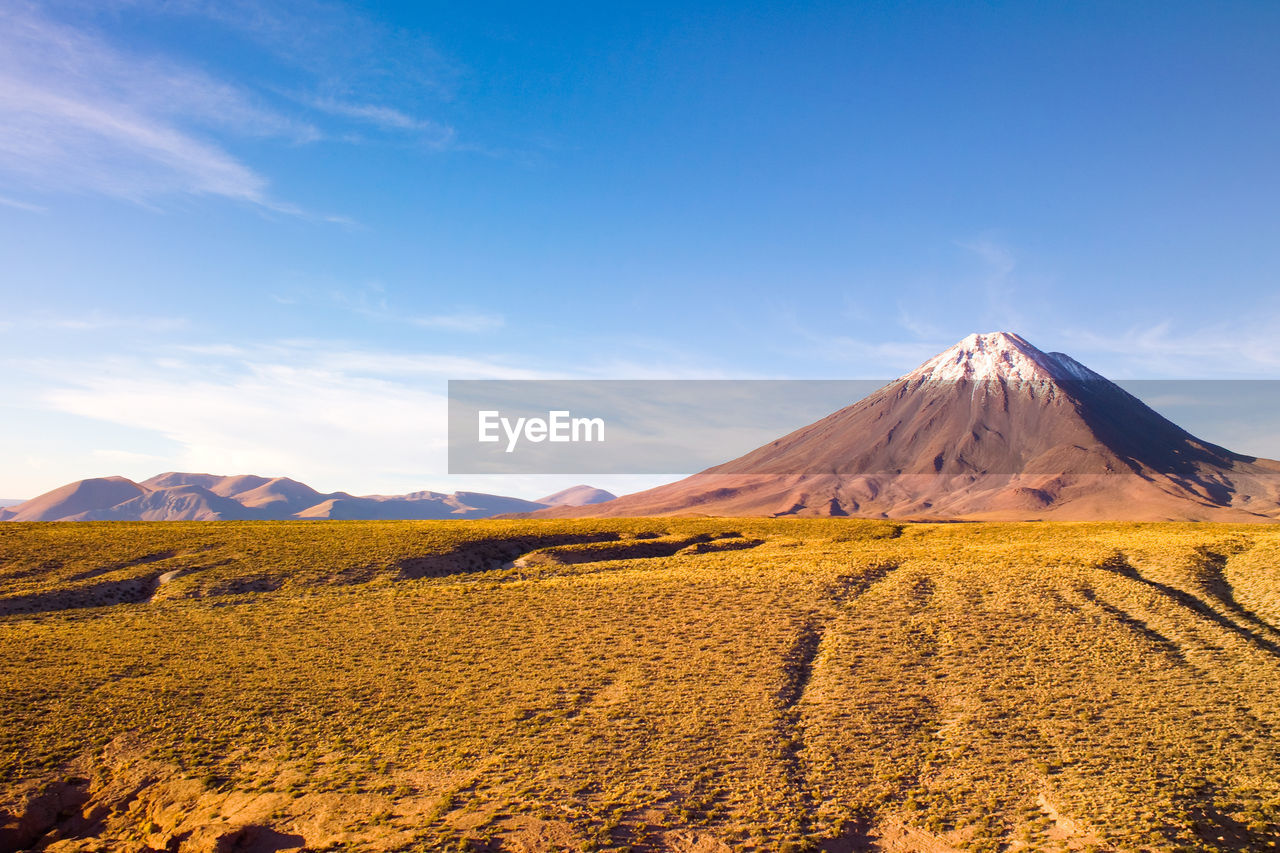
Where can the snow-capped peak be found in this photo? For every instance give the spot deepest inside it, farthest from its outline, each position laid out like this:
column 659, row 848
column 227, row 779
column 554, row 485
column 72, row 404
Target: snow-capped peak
column 1000, row 355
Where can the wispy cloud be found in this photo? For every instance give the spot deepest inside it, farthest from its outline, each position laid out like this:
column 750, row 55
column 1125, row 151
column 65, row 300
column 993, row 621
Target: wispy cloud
column 21, row 205
column 78, row 115
column 80, row 112
column 338, row 45
column 1161, row 349
column 388, row 118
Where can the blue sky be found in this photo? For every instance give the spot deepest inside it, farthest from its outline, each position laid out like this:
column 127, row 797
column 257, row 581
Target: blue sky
column 242, row 236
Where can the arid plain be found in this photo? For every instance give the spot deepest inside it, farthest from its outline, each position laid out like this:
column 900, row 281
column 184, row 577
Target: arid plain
column 644, row 685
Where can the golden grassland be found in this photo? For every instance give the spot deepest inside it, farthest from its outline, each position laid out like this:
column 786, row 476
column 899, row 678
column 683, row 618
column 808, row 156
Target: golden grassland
column 658, row 684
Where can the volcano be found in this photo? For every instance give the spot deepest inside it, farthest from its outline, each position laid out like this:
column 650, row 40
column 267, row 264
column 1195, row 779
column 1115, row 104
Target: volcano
column 992, row 428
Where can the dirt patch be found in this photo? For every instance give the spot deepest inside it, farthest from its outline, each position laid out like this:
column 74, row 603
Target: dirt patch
column 692, row 841
column 897, row 837
column 527, row 834
column 1065, row 829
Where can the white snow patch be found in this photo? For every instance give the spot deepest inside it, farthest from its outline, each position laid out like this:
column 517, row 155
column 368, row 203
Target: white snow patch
column 1001, row 355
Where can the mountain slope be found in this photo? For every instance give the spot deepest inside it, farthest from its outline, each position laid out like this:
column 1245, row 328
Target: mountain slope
column 94, row 494
column 990, row 428
column 577, row 496
column 280, row 497
column 176, row 503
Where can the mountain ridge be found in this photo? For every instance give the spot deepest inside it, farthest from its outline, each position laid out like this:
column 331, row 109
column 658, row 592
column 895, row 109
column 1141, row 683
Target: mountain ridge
column 184, row 496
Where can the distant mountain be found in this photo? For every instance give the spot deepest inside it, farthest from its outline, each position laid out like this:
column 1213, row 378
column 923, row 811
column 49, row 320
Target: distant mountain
column 11, row 501
column 992, row 428
column 577, row 496
column 93, row 495
column 179, row 496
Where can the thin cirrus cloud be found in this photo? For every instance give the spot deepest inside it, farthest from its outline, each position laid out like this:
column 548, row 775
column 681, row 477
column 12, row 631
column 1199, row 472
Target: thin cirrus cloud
column 22, row 205
column 79, row 113
column 341, row 47
column 385, row 118
column 1163, row 350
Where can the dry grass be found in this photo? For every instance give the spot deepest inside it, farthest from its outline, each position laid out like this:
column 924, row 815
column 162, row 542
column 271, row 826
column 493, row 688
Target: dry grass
column 649, row 684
